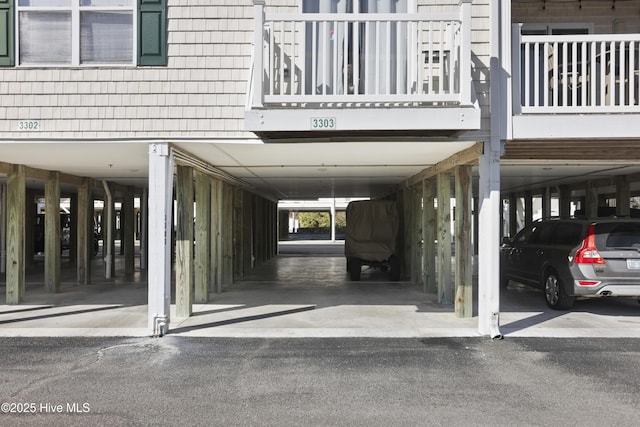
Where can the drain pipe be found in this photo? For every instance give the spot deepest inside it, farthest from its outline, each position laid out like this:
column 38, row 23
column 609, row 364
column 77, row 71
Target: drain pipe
column 107, row 232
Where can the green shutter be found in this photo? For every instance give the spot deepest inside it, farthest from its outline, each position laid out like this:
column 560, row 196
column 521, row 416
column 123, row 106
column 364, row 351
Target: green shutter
column 6, row 33
column 152, row 32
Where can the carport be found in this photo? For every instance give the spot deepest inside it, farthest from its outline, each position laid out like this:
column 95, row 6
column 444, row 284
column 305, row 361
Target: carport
column 304, row 292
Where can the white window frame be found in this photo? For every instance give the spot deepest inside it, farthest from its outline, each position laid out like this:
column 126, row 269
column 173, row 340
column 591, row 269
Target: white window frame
column 75, row 8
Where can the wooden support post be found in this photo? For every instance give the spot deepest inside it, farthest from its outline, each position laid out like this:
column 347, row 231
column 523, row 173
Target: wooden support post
column 128, row 232
column 429, row 283
column 283, row 225
column 52, row 233
column 546, row 202
column 3, row 228
column 623, row 196
column 227, row 234
column 528, row 207
column 202, row 268
column 184, row 241
column 108, row 234
column 464, row 256
column 16, row 222
column 416, row 235
column 591, row 200
column 565, row 201
column 84, row 211
column 513, row 214
column 216, row 235
column 29, row 231
column 445, row 286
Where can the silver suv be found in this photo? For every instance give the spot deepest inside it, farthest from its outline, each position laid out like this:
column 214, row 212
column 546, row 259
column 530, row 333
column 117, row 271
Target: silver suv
column 575, row 258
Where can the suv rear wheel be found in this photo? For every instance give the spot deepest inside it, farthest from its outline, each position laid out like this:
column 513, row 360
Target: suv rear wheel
column 554, row 292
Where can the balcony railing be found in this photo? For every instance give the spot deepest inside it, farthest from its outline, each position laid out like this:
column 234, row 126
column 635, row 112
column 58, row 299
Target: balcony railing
column 359, row 60
column 576, row 74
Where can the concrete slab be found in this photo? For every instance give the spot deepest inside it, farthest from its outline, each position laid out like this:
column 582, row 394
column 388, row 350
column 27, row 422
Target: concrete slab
column 304, row 292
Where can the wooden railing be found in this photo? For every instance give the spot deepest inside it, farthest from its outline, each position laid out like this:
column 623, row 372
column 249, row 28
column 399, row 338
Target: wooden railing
column 576, row 74
column 356, row 59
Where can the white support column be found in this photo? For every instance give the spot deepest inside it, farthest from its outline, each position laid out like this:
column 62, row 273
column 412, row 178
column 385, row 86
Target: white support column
column 160, row 205
column 107, row 232
column 489, row 200
column 333, row 219
column 489, row 245
column 144, row 229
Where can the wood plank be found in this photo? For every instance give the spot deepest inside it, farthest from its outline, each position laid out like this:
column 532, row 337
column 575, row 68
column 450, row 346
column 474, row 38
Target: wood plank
column 16, row 223
column 202, row 262
column 184, row 241
column 429, row 283
column 445, row 286
column 464, row 256
column 52, row 233
column 468, row 156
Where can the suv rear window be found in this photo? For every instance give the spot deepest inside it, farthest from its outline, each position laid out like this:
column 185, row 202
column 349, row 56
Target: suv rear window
column 617, row 235
column 567, row 234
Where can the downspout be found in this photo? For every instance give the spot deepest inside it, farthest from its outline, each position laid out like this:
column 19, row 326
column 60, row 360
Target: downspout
column 107, row 236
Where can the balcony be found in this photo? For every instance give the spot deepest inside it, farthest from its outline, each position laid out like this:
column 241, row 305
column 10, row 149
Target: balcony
column 582, row 86
column 321, row 74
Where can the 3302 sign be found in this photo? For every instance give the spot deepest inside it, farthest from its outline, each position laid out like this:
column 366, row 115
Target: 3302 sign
column 28, row 125
column 323, row 123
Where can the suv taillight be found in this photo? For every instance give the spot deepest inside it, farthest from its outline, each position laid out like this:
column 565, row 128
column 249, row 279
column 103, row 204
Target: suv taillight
column 588, row 254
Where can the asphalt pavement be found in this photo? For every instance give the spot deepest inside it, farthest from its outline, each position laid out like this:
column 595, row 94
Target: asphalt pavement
column 460, row 381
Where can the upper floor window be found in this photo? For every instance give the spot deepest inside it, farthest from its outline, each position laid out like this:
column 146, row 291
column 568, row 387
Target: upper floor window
column 75, row 32
column 82, row 32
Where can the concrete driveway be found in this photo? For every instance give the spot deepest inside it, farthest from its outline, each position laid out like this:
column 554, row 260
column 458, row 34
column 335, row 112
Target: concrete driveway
column 304, row 292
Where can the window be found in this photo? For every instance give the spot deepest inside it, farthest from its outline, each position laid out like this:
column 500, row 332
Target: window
column 75, row 32
column 83, row 32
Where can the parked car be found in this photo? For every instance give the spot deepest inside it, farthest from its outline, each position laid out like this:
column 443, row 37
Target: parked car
column 575, row 258
column 371, row 237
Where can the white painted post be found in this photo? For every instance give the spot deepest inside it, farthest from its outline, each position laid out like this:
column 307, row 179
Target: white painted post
column 258, row 59
column 333, row 219
column 160, row 204
column 489, row 200
column 465, row 52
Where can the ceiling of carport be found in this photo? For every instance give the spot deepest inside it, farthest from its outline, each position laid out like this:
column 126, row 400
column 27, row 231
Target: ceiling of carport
column 301, row 170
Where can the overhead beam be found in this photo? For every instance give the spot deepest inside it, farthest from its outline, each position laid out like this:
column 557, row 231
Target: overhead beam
column 468, row 156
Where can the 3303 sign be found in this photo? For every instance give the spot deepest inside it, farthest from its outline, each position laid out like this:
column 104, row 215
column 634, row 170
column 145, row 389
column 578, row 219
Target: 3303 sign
column 323, row 123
